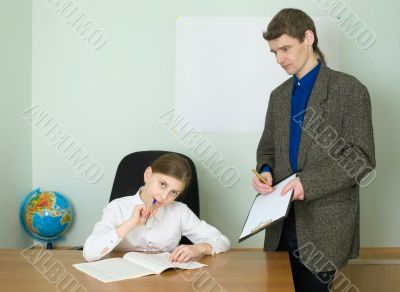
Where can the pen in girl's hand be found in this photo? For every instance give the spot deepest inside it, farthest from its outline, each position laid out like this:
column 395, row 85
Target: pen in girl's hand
column 152, row 204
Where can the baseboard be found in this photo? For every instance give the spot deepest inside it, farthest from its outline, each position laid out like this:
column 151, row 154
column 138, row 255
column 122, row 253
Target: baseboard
column 377, row 269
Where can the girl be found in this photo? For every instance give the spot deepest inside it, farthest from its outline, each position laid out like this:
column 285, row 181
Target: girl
column 152, row 220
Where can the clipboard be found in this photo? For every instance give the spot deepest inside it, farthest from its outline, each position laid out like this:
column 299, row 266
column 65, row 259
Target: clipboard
column 267, row 209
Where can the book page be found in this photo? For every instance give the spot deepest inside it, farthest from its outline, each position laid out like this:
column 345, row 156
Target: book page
column 268, row 208
column 159, row 262
column 113, row 269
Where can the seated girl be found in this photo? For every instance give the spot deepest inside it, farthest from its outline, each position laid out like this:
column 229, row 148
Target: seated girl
column 152, row 221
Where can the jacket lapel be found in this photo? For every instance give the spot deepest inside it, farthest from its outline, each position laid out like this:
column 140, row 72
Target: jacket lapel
column 313, row 114
column 284, row 126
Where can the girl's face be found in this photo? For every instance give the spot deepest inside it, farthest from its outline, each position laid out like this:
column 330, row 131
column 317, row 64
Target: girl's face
column 161, row 187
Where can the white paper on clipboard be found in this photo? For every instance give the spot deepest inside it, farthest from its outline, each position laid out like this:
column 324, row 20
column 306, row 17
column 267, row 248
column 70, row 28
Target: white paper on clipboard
column 266, row 209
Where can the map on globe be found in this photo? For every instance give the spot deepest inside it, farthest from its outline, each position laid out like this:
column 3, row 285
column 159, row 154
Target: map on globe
column 46, row 215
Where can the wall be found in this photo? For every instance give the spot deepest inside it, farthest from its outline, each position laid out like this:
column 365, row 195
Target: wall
column 109, row 100
column 15, row 97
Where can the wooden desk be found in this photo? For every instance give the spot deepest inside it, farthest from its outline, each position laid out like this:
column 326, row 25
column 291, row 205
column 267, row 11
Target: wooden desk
column 236, row 270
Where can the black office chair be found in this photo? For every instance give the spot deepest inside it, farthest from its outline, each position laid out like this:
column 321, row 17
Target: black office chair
column 129, row 178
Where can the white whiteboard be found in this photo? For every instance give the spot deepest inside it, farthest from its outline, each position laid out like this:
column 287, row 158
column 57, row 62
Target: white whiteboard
column 225, row 71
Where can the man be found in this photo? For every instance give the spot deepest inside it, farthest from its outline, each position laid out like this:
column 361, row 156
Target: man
column 318, row 125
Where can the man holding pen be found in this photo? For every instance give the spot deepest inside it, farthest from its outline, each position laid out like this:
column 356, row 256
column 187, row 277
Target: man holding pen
column 321, row 231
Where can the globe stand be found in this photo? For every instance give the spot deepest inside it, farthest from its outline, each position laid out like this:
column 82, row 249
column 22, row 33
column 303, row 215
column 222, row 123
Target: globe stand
column 49, row 245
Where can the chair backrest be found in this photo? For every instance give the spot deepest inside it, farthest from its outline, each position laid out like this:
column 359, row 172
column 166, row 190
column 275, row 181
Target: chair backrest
column 129, row 177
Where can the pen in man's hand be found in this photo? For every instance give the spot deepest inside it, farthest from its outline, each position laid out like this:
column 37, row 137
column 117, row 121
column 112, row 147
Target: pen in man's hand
column 260, row 177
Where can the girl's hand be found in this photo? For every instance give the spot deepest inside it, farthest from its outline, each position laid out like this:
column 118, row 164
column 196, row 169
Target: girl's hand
column 139, row 215
column 185, row 253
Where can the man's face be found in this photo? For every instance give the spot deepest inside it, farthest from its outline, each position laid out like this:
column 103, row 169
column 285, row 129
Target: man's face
column 291, row 54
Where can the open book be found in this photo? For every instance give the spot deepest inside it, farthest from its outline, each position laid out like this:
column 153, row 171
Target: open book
column 132, row 265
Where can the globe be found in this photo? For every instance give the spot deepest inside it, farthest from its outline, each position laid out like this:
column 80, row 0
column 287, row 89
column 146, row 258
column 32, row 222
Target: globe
column 45, row 216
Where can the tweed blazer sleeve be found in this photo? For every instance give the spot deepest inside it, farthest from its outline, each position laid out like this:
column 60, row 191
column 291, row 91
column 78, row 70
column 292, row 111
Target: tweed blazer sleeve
column 266, row 146
column 352, row 155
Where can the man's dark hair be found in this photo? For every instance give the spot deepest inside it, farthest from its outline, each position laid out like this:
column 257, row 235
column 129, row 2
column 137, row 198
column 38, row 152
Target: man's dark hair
column 294, row 23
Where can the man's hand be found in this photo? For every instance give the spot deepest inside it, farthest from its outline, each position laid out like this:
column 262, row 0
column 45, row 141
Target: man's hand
column 297, row 187
column 260, row 186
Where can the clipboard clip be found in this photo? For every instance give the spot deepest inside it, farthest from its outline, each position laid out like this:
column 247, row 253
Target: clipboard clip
column 262, row 225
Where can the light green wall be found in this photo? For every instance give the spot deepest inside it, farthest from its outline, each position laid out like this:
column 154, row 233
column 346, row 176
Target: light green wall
column 377, row 69
column 15, row 97
column 110, row 100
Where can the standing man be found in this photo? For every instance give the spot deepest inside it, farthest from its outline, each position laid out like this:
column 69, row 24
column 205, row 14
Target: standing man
column 318, row 125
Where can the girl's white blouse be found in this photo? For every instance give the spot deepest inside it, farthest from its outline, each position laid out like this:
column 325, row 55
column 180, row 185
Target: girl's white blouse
column 161, row 232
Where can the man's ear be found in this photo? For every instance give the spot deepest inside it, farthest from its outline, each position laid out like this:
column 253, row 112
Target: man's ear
column 147, row 173
column 309, row 37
